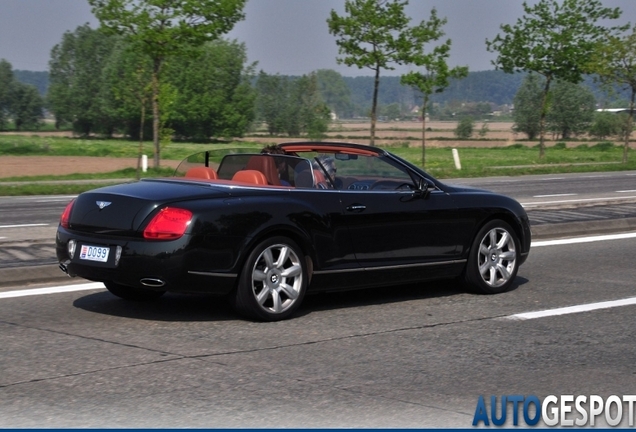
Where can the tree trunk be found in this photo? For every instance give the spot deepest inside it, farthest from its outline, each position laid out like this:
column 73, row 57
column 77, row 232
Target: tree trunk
column 374, row 107
column 424, row 131
column 141, row 137
column 155, row 112
column 544, row 110
column 628, row 132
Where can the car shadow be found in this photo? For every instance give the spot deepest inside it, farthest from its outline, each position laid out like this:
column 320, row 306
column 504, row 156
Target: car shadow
column 173, row 307
column 169, row 307
column 394, row 294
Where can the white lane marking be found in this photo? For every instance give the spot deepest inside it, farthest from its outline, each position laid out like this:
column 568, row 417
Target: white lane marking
column 53, row 200
column 52, row 290
column 580, row 308
column 49, row 197
column 2, row 237
column 573, row 309
column 626, row 191
column 24, row 225
column 554, row 195
column 589, row 239
column 552, row 178
column 530, row 204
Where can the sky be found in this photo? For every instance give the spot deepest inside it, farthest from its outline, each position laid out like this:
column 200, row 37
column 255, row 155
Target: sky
column 289, row 37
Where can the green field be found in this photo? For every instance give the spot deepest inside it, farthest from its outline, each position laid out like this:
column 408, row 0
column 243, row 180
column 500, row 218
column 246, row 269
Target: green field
column 515, row 160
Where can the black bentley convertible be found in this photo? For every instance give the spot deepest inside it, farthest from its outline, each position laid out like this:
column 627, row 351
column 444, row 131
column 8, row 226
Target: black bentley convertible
column 264, row 229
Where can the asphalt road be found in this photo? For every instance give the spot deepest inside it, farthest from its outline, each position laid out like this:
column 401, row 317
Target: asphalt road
column 407, row 356
column 540, row 191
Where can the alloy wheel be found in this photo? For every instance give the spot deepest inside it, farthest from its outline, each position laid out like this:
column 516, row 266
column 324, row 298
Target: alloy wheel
column 497, row 257
column 277, row 278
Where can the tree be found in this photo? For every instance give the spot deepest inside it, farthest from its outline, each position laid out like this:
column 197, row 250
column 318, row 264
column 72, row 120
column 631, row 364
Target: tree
column 76, row 80
column 20, row 102
column 392, row 111
column 271, row 100
column 571, row 110
column 554, row 40
column 527, row 102
column 483, row 130
column 25, row 105
column 214, row 94
column 305, row 112
column 6, row 79
column 375, row 35
column 126, row 89
column 435, row 75
column 614, row 62
column 334, row 92
column 38, row 79
column 164, row 29
column 126, row 92
column 293, row 106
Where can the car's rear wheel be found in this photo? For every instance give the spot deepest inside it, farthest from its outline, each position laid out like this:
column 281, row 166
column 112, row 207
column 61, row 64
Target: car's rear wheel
column 493, row 260
column 132, row 293
column 273, row 280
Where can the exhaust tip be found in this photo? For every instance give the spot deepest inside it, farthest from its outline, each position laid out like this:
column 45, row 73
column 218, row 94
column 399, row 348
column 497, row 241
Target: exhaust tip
column 64, row 267
column 152, row 282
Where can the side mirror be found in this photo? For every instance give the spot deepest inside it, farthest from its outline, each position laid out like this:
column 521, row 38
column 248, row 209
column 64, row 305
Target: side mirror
column 423, row 188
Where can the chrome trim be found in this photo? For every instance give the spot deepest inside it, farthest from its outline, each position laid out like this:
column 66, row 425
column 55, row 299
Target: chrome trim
column 394, row 267
column 232, row 275
column 152, row 282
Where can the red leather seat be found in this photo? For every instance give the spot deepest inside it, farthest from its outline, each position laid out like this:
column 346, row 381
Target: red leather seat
column 250, row 176
column 202, row 173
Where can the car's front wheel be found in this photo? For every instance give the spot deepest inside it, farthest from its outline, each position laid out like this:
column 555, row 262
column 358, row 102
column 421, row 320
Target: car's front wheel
column 273, row 280
column 132, row 293
column 493, row 260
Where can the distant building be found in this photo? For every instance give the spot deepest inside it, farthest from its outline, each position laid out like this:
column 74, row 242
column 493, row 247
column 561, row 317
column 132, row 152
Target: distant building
column 613, row 110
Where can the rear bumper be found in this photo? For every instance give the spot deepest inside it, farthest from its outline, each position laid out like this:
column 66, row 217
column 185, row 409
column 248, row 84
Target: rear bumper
column 166, row 266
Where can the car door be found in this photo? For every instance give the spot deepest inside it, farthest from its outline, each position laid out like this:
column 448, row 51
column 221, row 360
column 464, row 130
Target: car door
column 397, row 227
column 392, row 223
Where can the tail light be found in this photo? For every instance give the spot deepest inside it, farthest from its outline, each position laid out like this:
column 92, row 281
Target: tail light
column 169, row 224
column 66, row 214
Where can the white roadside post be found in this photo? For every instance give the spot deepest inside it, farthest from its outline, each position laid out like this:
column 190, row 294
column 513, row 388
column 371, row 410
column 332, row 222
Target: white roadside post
column 144, row 163
column 458, row 164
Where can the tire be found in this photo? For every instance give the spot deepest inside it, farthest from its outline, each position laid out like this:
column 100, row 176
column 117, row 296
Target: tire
column 273, row 281
column 132, row 293
column 493, row 260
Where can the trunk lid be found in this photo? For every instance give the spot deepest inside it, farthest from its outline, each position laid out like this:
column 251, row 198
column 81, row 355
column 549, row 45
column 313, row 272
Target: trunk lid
column 121, row 209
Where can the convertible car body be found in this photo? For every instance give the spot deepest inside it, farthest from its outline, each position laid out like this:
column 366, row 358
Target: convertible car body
column 266, row 228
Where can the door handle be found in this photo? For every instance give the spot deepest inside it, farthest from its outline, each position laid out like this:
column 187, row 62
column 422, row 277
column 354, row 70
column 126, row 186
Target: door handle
column 356, row 208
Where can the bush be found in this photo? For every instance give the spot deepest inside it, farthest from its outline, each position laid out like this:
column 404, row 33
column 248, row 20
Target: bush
column 465, row 128
column 515, row 146
column 603, row 146
column 559, row 146
column 605, row 125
